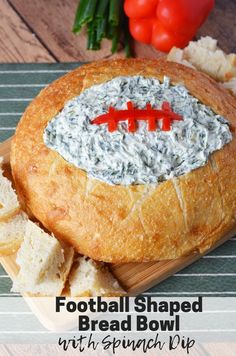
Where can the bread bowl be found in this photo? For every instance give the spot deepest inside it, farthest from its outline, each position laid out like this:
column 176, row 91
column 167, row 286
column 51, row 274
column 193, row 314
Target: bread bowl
column 124, row 223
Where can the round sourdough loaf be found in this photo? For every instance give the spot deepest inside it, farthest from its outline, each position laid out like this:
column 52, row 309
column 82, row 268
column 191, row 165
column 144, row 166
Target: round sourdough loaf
column 125, row 223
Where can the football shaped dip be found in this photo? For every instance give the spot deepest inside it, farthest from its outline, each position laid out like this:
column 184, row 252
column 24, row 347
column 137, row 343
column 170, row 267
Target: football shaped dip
column 130, row 160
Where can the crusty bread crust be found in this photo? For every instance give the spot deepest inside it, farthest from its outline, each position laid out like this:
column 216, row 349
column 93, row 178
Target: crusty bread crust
column 118, row 223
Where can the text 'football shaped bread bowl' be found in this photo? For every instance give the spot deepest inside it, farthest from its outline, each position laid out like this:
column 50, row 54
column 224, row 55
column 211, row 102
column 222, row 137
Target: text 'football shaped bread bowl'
column 130, row 190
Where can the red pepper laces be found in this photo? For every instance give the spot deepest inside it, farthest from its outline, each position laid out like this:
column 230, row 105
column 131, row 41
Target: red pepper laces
column 113, row 117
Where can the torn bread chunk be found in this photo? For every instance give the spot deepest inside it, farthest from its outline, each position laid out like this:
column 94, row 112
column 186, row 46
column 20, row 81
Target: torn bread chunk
column 91, row 279
column 44, row 263
column 12, row 234
column 39, row 253
column 9, row 205
column 177, row 55
column 207, row 57
column 231, row 85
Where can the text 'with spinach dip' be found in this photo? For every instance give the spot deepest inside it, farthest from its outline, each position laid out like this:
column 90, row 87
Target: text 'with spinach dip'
column 140, row 157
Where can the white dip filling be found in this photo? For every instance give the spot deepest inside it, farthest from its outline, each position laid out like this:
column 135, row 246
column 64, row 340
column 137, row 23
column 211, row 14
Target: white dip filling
column 142, row 157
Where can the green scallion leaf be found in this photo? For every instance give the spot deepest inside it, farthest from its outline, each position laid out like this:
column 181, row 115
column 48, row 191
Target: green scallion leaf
column 101, row 25
column 114, row 11
column 101, row 8
column 115, row 40
column 127, row 38
column 85, row 14
column 92, row 37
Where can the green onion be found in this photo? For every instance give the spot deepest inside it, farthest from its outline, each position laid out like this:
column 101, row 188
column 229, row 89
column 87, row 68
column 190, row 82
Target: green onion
column 101, row 8
column 114, row 17
column 101, row 29
column 127, row 39
column 92, row 37
column 114, row 11
column 85, row 14
column 101, row 19
column 110, row 31
column 104, row 19
column 80, row 10
column 115, row 40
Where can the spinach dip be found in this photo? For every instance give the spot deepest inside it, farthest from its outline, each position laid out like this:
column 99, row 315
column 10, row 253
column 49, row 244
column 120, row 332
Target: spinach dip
column 142, row 157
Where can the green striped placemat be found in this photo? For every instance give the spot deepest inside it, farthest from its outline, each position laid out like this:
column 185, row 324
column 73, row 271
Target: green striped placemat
column 213, row 275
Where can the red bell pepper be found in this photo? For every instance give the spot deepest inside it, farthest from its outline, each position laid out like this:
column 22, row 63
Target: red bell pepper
column 166, row 23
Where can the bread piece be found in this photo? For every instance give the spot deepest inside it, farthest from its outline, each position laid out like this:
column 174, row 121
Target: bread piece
column 12, row 234
column 9, row 205
column 208, row 43
column 177, row 55
column 207, row 57
column 126, row 223
column 91, row 279
column 44, row 264
column 50, row 285
column 231, row 85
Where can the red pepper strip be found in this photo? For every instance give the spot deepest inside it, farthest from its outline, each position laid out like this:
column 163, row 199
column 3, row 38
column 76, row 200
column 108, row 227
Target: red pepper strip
column 166, row 106
column 167, row 109
column 131, row 118
column 112, row 123
column 151, row 120
column 167, row 120
column 151, row 115
column 169, row 116
column 166, row 124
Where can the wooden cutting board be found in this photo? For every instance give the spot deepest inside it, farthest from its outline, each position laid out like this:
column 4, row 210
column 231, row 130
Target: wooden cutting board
column 134, row 277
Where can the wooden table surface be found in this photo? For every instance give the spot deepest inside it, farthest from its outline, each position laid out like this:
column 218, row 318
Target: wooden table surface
column 40, row 31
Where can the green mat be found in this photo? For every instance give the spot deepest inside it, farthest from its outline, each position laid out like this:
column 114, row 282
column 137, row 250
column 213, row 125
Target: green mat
column 213, row 275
